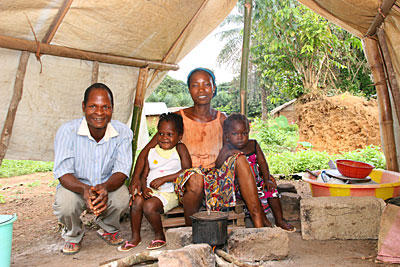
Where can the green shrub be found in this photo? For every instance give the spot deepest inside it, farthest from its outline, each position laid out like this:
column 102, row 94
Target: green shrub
column 293, row 162
column 371, row 154
column 289, row 163
column 275, row 135
column 10, row 168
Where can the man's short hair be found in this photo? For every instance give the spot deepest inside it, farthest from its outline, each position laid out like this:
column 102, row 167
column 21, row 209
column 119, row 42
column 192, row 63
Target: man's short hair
column 98, row 86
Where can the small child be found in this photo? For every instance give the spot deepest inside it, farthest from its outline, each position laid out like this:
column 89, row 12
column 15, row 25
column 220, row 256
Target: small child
column 164, row 163
column 236, row 133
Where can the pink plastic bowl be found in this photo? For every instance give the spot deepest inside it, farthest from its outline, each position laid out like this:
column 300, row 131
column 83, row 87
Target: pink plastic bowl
column 354, row 169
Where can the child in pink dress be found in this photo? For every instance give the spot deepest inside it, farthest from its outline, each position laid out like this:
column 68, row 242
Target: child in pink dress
column 236, row 133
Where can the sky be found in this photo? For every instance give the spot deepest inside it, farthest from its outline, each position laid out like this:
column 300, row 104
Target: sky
column 204, row 55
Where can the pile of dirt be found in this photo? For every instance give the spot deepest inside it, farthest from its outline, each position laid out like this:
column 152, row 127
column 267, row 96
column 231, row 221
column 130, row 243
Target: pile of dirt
column 339, row 123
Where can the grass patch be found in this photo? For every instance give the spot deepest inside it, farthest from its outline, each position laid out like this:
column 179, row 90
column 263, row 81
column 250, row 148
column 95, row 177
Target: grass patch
column 10, row 168
column 53, row 183
column 33, row 184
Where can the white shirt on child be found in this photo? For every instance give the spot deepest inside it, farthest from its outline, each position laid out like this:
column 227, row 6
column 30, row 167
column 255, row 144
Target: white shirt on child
column 161, row 163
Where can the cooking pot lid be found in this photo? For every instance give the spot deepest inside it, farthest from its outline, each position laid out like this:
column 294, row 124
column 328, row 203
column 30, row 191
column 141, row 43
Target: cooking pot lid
column 213, row 216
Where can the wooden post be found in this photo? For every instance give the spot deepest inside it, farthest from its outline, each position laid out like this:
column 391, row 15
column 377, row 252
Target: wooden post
column 13, row 107
column 137, row 110
column 95, row 72
column 245, row 57
column 385, row 111
column 61, row 51
column 394, row 86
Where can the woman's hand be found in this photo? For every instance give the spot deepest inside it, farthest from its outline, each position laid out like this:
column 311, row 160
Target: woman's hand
column 156, row 183
column 269, row 184
column 135, row 188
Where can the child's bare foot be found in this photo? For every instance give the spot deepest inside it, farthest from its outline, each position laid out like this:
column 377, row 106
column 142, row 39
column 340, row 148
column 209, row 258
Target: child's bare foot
column 266, row 222
column 286, row 226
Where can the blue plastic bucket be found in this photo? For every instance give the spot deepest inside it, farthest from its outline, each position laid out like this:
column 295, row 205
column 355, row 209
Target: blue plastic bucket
column 6, row 229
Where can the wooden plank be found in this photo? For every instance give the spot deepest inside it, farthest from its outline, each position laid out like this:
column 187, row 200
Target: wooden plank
column 173, row 222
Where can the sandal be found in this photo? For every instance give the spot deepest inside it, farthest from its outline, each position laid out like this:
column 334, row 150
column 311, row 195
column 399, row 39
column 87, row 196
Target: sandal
column 71, row 248
column 113, row 239
column 162, row 243
column 127, row 246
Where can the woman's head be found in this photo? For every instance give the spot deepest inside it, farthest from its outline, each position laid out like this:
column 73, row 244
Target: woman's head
column 236, row 130
column 201, row 78
column 169, row 130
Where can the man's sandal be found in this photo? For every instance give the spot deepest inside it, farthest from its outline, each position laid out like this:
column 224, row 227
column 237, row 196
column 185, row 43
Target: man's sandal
column 71, row 248
column 153, row 245
column 113, row 239
column 127, row 246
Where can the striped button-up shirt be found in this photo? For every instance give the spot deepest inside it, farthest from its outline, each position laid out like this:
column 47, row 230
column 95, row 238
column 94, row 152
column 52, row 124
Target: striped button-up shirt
column 93, row 163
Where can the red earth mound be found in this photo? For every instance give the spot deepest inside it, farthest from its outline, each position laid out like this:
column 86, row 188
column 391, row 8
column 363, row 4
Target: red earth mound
column 339, row 123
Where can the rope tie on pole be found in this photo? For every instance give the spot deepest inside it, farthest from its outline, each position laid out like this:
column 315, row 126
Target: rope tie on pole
column 37, row 54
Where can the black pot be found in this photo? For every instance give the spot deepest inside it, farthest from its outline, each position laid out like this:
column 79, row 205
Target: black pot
column 210, row 228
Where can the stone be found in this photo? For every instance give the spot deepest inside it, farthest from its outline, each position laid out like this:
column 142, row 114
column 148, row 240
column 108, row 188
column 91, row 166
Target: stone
column 178, row 237
column 258, row 244
column 192, row 255
column 290, row 206
column 286, row 188
column 324, row 218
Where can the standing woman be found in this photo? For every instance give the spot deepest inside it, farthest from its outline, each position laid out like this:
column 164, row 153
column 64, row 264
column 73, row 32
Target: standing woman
column 203, row 136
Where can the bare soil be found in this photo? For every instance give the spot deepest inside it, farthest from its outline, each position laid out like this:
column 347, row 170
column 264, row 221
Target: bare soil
column 37, row 240
column 339, row 123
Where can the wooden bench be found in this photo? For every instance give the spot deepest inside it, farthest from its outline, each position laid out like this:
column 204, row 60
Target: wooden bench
column 175, row 217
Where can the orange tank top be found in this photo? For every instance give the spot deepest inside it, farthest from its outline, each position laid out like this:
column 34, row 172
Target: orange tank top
column 203, row 140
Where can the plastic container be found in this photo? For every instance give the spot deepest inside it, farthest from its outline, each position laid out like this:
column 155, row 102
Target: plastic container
column 354, row 169
column 6, row 229
column 387, row 186
column 210, row 228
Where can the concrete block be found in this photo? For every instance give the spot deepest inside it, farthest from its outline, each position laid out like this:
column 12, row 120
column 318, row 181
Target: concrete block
column 258, row 244
column 290, row 206
column 192, row 255
column 178, row 237
column 324, row 218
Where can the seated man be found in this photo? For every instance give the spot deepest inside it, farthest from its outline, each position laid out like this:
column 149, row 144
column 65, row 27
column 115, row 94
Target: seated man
column 93, row 158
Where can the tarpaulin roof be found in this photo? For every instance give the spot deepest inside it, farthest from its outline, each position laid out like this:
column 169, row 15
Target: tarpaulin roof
column 81, row 39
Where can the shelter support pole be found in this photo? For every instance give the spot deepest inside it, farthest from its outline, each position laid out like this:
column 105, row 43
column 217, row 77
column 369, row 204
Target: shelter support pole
column 12, row 109
column 137, row 110
column 61, row 51
column 244, row 69
column 385, row 111
column 95, row 72
column 394, row 86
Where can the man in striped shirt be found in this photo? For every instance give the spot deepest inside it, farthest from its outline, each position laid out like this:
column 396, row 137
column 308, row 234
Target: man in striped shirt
column 93, row 158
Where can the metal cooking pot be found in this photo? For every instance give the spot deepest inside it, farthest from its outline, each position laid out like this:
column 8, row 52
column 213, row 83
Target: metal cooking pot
column 210, row 228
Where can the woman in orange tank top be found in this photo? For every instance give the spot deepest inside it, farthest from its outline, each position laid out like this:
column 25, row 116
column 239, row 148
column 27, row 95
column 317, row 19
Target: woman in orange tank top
column 203, row 137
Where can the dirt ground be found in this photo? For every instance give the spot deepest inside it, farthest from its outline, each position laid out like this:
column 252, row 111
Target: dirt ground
column 37, row 240
column 339, row 123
